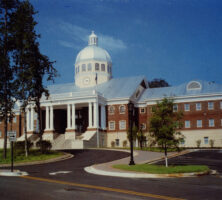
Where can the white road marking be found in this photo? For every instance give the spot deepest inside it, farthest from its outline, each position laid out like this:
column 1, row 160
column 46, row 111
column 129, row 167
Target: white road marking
column 59, row 172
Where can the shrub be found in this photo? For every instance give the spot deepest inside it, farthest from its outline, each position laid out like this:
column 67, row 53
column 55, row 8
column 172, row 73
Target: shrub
column 198, row 143
column 125, row 143
column 211, row 143
column 112, row 144
column 46, row 145
column 20, row 146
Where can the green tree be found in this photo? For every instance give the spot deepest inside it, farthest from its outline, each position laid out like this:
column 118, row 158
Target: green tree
column 41, row 68
column 7, row 8
column 24, row 37
column 134, row 132
column 158, row 82
column 164, row 125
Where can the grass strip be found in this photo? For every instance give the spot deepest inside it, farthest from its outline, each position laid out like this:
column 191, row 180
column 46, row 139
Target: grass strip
column 34, row 155
column 160, row 169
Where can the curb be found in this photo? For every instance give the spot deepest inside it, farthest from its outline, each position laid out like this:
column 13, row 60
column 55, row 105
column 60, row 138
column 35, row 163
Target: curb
column 14, row 173
column 63, row 157
column 93, row 170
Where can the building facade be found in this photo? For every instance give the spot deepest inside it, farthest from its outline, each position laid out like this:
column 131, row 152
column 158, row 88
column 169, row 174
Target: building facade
column 93, row 111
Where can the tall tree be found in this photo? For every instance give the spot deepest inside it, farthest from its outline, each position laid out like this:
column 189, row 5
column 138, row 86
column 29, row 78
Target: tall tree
column 164, row 125
column 41, row 68
column 158, row 82
column 24, row 37
column 7, row 7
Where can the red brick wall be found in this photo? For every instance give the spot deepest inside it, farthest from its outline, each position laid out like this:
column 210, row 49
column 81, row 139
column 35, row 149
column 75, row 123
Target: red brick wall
column 193, row 115
column 17, row 126
column 116, row 117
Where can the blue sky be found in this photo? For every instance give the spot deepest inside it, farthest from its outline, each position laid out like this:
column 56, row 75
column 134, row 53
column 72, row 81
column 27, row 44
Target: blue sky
column 177, row 40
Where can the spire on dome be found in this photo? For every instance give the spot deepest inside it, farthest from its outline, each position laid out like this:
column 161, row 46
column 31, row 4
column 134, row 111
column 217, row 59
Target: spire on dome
column 93, row 39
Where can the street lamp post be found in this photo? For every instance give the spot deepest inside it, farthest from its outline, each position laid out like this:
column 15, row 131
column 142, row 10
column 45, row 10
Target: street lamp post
column 130, row 108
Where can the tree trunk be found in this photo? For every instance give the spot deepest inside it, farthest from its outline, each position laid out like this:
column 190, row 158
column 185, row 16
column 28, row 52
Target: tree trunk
column 166, row 160
column 5, row 136
column 40, row 123
column 25, row 132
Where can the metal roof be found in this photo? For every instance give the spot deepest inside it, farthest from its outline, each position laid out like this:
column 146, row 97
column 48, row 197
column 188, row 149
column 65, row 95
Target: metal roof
column 181, row 91
column 114, row 88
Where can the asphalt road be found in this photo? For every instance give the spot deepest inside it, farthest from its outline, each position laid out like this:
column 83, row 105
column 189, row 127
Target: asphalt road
column 77, row 184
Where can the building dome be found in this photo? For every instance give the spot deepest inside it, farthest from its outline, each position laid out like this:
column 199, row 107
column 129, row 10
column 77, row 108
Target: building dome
column 93, row 64
column 93, row 53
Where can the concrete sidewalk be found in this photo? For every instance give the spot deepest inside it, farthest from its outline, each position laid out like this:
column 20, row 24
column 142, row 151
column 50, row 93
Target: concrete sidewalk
column 140, row 157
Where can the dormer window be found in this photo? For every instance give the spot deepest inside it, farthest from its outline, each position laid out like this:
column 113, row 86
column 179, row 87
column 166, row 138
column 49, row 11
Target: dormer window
column 83, row 67
column 103, row 67
column 193, row 85
column 97, row 67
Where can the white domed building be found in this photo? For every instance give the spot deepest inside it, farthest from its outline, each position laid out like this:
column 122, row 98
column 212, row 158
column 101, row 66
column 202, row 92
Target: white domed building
column 93, row 65
column 93, row 111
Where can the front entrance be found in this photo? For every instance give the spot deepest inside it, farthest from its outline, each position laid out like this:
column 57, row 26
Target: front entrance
column 60, row 120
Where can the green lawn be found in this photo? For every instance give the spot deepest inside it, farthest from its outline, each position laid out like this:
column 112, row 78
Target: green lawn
column 159, row 169
column 34, row 155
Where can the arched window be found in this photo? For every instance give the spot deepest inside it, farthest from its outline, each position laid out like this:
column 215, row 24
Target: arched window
column 83, row 67
column 111, row 110
column 78, row 69
column 193, row 85
column 122, row 109
column 103, row 67
column 89, row 67
column 97, row 67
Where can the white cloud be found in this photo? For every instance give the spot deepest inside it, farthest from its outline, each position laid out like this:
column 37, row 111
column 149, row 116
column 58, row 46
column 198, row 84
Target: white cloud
column 66, row 44
column 77, row 34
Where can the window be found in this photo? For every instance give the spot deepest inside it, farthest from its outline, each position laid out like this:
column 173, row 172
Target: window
column 109, row 69
column 198, row 106
column 78, row 69
column 0, row 134
column 210, row 105
column 122, row 109
column 142, row 110
column 221, row 122
column 220, row 104
column 14, row 119
column 117, row 142
column 111, row 110
column 111, row 125
column 199, row 123
column 122, row 125
column 83, row 67
column 211, row 122
column 97, row 66
column 193, row 85
column 187, row 107
column 103, row 67
column 175, row 107
column 89, row 67
column 187, row 124
column 206, row 140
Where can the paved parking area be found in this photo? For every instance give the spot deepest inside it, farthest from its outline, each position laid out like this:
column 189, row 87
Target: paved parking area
column 211, row 158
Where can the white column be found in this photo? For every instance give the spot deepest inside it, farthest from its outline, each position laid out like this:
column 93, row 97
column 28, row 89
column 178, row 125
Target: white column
column 47, row 118
column 90, row 115
column 27, row 119
column 32, row 119
column 51, row 118
column 96, row 111
column 68, row 116
column 73, row 116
